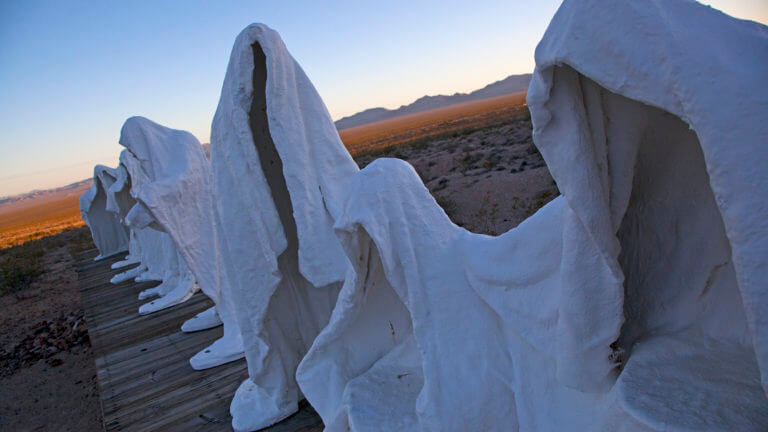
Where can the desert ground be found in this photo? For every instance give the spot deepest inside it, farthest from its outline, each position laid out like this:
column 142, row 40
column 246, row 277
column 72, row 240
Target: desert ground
column 426, row 126
column 487, row 180
column 40, row 214
column 478, row 161
column 47, row 371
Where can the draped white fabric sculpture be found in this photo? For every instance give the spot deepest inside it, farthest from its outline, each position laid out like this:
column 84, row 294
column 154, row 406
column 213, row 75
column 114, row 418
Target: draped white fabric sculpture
column 178, row 198
column 280, row 172
column 159, row 254
column 206, row 319
column 637, row 301
column 119, row 202
column 427, row 313
column 109, row 235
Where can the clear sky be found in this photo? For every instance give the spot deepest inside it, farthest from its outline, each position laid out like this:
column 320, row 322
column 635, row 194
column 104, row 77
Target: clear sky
column 72, row 71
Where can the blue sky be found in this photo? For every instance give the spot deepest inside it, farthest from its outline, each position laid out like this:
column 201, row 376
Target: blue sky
column 71, row 72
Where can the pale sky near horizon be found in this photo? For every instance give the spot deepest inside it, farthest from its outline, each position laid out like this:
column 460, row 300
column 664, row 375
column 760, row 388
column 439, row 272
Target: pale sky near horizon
column 72, row 72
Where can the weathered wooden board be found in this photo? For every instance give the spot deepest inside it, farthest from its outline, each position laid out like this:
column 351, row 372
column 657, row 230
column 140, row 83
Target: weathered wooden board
column 145, row 378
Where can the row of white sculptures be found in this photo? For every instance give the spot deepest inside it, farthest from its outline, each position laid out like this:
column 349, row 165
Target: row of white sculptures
column 635, row 301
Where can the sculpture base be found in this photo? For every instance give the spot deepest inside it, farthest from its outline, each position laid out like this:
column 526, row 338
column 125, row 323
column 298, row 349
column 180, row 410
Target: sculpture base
column 205, row 320
column 149, row 293
column 127, row 275
column 125, row 263
column 224, row 350
column 253, row 409
column 183, row 292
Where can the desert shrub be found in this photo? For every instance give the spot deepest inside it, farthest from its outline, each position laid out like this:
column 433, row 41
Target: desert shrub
column 492, row 160
column 20, row 266
column 448, row 205
column 467, row 160
column 530, row 206
column 80, row 241
column 422, row 175
column 376, row 152
column 484, row 218
column 422, row 143
column 441, row 184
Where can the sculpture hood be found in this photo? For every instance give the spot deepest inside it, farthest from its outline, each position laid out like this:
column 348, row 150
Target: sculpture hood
column 109, row 235
column 590, row 65
column 635, row 301
column 280, row 176
column 315, row 163
column 174, row 187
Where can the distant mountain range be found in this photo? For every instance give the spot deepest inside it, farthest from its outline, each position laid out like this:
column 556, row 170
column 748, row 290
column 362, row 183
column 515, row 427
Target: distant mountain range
column 509, row 85
column 17, row 201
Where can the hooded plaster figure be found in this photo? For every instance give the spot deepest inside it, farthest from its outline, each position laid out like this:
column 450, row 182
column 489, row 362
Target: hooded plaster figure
column 109, row 235
column 636, row 301
column 159, row 253
column 280, row 172
column 156, row 244
column 179, row 199
column 119, row 202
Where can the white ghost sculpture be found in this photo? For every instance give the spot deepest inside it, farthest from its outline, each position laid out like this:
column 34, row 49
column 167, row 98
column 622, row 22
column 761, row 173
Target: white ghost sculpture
column 119, row 202
column 280, row 172
column 637, row 301
column 159, row 254
column 178, row 197
column 109, row 235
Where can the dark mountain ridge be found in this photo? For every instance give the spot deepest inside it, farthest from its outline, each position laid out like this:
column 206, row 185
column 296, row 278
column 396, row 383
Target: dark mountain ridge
column 509, row 85
column 35, row 196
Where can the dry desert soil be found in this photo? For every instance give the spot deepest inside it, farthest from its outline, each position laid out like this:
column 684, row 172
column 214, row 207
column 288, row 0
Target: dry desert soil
column 47, row 373
column 484, row 171
column 40, row 214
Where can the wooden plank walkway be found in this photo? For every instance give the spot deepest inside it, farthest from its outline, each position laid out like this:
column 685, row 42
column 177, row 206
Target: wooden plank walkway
column 144, row 375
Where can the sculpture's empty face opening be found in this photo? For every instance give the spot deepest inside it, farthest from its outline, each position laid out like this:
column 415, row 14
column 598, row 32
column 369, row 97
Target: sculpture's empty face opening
column 100, row 200
column 675, row 256
column 107, row 179
column 103, row 181
column 123, row 198
column 685, row 335
column 271, row 164
column 297, row 310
